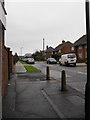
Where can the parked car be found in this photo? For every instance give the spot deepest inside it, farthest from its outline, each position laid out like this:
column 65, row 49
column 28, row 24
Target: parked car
column 51, row 60
column 67, row 59
column 30, row 61
column 25, row 59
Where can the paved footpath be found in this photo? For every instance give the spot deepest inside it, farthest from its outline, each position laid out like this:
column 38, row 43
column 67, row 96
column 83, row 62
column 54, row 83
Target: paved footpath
column 29, row 95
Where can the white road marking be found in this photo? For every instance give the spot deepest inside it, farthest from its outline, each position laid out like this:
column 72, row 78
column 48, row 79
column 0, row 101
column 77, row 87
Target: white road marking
column 82, row 73
column 78, row 72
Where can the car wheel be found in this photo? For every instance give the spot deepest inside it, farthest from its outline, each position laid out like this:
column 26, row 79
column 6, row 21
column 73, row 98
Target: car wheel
column 66, row 63
column 74, row 64
column 60, row 63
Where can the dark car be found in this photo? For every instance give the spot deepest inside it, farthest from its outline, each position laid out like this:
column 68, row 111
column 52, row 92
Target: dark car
column 51, row 61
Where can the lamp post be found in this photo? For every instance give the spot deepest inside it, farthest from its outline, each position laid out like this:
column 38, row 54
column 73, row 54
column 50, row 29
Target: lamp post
column 21, row 52
column 43, row 49
column 87, row 88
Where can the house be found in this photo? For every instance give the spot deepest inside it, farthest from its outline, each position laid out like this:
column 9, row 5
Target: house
column 3, row 50
column 80, row 48
column 48, row 52
column 64, row 47
column 6, row 57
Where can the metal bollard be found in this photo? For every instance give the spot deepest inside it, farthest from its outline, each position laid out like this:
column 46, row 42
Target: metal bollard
column 63, row 81
column 47, row 73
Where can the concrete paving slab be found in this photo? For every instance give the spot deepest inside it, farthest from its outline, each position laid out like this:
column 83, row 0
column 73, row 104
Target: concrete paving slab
column 67, row 102
column 19, row 68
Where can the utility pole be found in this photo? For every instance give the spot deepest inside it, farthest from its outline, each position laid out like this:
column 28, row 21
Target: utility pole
column 87, row 88
column 43, row 43
column 43, row 48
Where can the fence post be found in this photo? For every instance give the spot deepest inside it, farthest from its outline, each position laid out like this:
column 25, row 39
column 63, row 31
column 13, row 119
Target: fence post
column 63, row 81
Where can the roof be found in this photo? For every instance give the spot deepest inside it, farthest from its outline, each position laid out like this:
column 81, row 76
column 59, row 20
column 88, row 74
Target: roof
column 81, row 41
column 50, row 49
column 60, row 46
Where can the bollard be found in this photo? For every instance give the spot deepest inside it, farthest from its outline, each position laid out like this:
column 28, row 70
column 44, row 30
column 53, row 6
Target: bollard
column 47, row 73
column 63, row 81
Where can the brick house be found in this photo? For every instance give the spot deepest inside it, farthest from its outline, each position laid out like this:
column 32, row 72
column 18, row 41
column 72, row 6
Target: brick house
column 48, row 52
column 64, row 47
column 6, row 57
column 80, row 48
column 3, row 52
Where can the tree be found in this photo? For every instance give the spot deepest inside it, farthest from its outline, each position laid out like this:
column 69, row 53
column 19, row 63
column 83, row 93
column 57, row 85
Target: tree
column 15, row 58
column 37, row 56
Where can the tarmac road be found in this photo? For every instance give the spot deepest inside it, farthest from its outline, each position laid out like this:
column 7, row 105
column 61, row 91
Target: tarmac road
column 76, row 77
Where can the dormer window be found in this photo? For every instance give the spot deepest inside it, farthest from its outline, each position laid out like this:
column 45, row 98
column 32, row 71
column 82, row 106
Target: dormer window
column 72, row 48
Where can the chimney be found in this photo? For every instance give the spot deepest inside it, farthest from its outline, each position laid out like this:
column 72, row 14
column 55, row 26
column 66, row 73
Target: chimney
column 47, row 47
column 63, row 41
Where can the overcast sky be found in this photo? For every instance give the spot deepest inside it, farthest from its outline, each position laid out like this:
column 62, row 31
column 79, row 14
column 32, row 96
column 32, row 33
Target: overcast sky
column 29, row 22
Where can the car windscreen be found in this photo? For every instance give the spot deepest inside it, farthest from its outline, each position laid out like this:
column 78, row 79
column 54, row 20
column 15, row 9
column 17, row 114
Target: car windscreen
column 52, row 59
column 30, row 59
column 71, row 56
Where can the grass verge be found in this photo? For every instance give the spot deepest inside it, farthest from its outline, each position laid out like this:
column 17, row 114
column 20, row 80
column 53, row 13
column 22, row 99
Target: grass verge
column 29, row 68
column 23, row 62
column 57, row 62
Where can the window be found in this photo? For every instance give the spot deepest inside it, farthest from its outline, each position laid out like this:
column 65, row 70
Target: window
column 80, row 47
column 71, row 56
column 85, row 46
column 72, row 48
column 52, row 53
column 80, row 55
column 59, row 51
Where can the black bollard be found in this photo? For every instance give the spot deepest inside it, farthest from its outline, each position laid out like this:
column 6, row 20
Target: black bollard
column 47, row 73
column 63, row 81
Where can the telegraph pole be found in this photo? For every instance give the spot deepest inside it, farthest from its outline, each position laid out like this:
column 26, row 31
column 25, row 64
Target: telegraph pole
column 43, row 48
column 43, row 43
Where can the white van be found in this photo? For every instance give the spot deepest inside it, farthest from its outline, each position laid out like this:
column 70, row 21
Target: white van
column 67, row 59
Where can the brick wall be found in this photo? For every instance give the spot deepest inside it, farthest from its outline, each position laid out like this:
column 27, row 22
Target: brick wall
column 0, row 53
column 4, row 69
column 81, row 53
column 10, row 61
column 4, row 60
column 85, row 52
column 66, row 49
column 7, row 63
column 48, row 55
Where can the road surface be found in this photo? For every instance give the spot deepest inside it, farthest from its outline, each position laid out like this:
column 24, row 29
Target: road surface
column 76, row 77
